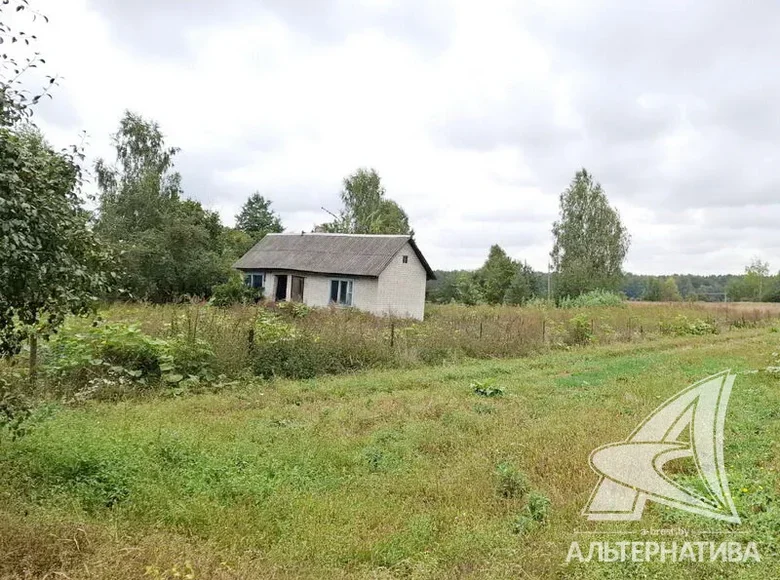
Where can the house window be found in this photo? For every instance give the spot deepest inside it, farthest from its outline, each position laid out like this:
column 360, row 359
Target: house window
column 341, row 292
column 255, row 280
column 405, row 259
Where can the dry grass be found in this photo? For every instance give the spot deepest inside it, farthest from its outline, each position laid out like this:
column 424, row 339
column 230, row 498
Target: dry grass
column 449, row 333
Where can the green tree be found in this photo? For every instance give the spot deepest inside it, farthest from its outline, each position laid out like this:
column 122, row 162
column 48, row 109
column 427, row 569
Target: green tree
column 366, row 209
column 590, row 240
column 470, row 291
column 51, row 265
column 234, row 243
column 496, row 274
column 257, row 218
column 758, row 271
column 662, row 290
column 752, row 285
column 171, row 246
column 522, row 286
column 669, row 290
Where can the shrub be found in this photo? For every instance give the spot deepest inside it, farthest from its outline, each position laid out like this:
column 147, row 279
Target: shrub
column 76, row 356
column 512, row 483
column 683, row 326
column 269, row 327
column 234, row 291
column 294, row 309
column 15, row 411
column 191, row 357
column 593, row 298
column 120, row 354
column 579, row 331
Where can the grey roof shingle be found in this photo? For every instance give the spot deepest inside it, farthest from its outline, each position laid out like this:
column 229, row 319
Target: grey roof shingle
column 348, row 254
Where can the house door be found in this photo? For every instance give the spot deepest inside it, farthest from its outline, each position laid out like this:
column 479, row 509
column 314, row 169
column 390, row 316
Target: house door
column 296, row 291
column 281, row 289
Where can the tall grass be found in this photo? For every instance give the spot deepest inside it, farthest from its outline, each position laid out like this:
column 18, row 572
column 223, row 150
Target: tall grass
column 299, row 342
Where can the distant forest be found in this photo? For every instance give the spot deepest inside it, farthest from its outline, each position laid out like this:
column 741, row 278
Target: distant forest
column 712, row 288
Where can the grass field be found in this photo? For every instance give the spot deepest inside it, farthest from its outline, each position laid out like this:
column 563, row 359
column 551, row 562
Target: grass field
column 380, row 474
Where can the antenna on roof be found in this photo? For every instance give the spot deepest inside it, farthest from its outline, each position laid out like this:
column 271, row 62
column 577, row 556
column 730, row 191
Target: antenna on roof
column 328, row 211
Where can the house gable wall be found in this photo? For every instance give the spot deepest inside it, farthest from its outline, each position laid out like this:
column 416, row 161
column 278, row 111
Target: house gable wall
column 401, row 288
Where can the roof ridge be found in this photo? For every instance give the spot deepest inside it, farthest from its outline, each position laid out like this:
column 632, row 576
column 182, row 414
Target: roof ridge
column 302, row 234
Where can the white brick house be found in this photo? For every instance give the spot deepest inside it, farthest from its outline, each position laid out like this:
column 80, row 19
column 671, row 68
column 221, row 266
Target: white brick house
column 382, row 274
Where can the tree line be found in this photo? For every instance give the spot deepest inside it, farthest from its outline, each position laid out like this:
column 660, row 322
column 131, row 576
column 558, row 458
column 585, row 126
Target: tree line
column 754, row 285
column 590, row 245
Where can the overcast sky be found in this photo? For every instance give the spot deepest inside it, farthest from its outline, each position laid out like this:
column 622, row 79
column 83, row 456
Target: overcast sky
column 475, row 114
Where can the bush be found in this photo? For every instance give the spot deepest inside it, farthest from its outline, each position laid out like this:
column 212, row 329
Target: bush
column 294, row 309
column 191, row 357
column 580, row 330
column 593, row 298
column 234, row 291
column 683, row 326
column 120, row 354
column 76, row 356
column 15, row 411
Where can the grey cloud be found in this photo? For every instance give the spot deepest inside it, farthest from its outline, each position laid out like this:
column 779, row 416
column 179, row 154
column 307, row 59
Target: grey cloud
column 749, row 217
column 159, row 28
column 513, row 216
column 510, row 235
column 707, row 66
column 424, row 24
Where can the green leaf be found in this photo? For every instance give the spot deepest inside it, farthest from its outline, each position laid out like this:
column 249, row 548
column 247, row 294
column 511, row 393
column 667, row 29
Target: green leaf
column 172, row 378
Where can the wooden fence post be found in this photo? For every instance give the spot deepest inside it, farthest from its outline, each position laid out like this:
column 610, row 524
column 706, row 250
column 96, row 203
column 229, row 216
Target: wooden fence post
column 392, row 333
column 33, row 358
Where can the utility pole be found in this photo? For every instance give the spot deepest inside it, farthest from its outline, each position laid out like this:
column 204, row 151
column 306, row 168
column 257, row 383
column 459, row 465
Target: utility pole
column 549, row 281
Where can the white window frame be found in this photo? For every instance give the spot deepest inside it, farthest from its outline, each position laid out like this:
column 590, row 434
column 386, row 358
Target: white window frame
column 349, row 292
column 249, row 278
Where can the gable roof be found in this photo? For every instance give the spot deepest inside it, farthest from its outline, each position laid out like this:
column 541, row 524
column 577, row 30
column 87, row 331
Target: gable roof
column 347, row 254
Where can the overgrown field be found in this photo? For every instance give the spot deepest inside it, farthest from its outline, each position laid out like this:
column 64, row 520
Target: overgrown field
column 137, row 348
column 476, row 470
